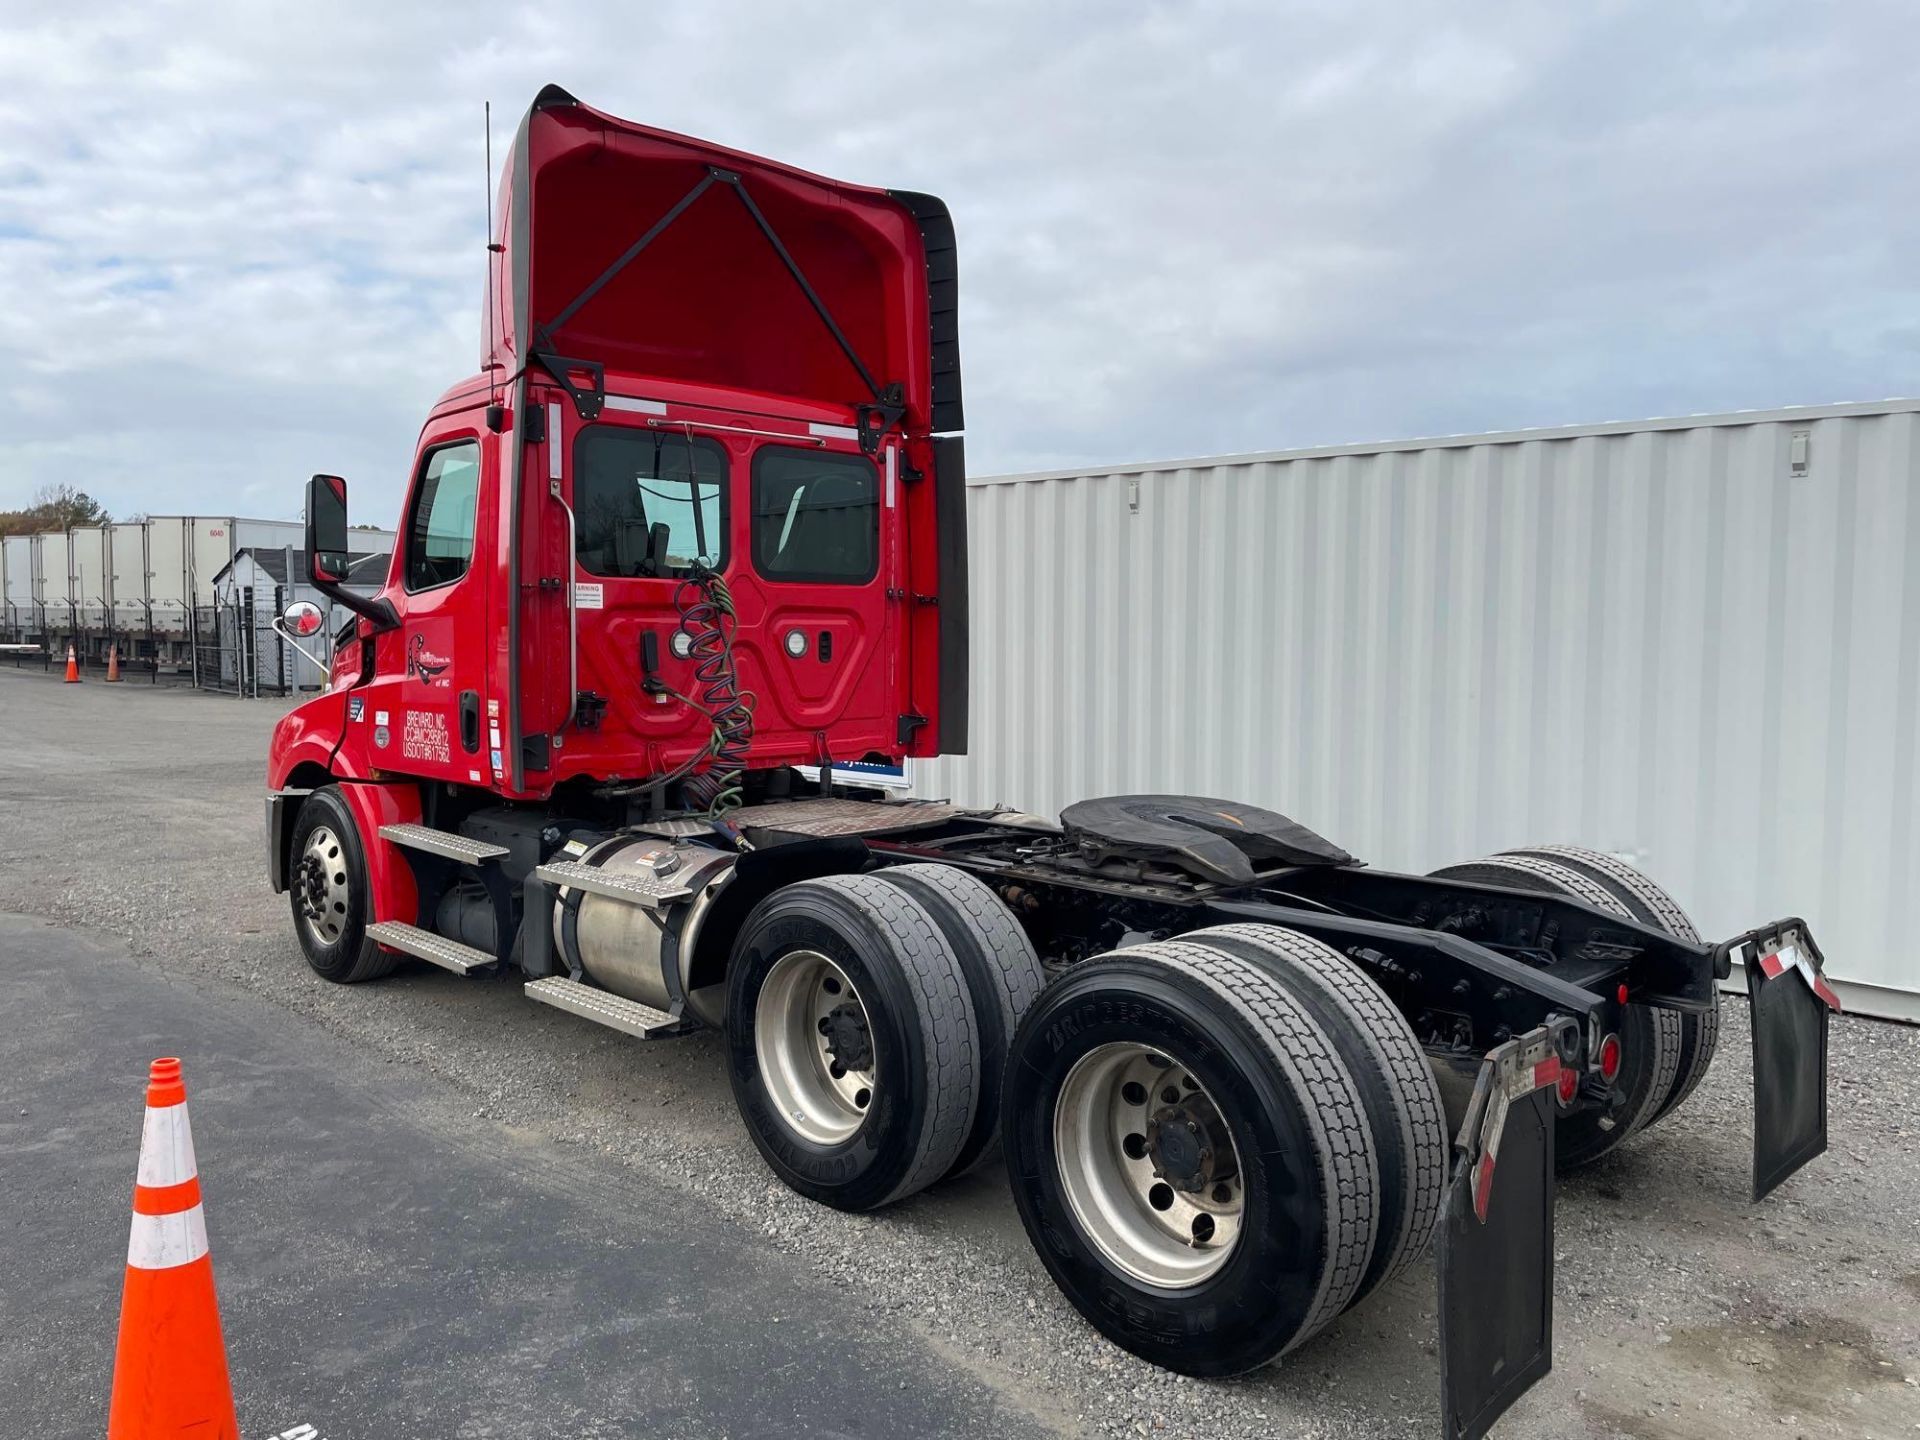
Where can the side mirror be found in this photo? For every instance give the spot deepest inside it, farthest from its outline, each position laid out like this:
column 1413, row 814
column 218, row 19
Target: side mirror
column 303, row 618
column 327, row 528
column 327, row 554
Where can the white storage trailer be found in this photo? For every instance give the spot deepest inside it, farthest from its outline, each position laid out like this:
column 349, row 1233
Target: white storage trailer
column 133, row 583
column 1692, row 642
column 19, row 588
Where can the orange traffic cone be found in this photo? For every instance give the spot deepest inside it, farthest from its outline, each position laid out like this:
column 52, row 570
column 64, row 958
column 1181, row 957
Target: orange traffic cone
column 170, row 1367
column 113, row 662
column 73, row 668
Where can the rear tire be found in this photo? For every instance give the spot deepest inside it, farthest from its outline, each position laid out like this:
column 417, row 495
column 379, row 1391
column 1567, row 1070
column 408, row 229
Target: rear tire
column 1650, row 904
column 1395, row 1081
column 1269, row 1145
column 1650, row 1037
column 851, row 1040
column 1003, row 974
column 327, row 889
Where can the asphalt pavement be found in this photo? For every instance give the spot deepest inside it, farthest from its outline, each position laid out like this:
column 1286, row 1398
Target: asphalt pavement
column 390, row 1266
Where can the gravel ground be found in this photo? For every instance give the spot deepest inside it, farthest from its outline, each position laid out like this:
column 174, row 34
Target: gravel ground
column 1683, row 1311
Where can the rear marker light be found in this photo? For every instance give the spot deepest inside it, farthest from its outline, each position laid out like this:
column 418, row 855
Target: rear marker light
column 1623, row 994
column 1610, row 1059
column 680, row 644
column 796, row 643
column 1569, row 1085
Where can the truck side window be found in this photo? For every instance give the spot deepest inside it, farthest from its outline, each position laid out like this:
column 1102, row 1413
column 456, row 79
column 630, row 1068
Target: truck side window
column 440, row 529
column 648, row 502
column 816, row 516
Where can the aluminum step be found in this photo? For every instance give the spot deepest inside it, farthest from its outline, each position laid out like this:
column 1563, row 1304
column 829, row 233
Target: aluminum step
column 425, row 945
column 443, row 842
column 635, row 889
column 605, row 1008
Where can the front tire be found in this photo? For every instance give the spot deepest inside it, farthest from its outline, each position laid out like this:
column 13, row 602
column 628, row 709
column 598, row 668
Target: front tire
column 1214, row 1217
column 327, row 888
column 852, row 1045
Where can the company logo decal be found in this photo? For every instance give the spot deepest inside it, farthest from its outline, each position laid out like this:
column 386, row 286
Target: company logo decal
column 431, row 668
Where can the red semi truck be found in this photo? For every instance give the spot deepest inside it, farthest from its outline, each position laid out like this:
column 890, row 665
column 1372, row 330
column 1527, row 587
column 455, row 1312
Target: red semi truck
column 699, row 525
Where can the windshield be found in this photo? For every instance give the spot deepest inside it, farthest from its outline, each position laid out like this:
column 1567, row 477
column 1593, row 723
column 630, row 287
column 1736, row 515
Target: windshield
column 648, row 502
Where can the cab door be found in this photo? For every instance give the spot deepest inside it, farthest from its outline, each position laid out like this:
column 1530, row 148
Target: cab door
column 425, row 710
column 824, row 565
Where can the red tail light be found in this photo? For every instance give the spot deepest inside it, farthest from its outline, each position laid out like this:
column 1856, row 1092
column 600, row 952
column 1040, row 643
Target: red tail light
column 1610, row 1059
column 1569, row 1084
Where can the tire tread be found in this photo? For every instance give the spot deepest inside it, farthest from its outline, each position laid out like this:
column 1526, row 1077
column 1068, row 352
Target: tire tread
column 999, row 962
column 1401, row 1081
column 1301, row 1052
column 944, row 1010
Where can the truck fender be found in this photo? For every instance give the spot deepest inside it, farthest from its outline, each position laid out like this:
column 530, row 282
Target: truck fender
column 309, row 736
column 756, row 875
column 389, row 877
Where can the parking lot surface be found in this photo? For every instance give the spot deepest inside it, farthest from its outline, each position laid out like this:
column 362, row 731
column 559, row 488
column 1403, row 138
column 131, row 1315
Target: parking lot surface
column 438, row 1209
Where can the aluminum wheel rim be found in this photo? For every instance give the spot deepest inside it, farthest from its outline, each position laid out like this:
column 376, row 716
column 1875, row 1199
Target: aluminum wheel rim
column 808, row 1023
column 325, row 899
column 1134, row 1197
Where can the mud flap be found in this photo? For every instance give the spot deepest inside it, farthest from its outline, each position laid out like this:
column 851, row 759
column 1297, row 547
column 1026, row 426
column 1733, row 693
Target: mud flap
column 1495, row 1254
column 1790, row 1002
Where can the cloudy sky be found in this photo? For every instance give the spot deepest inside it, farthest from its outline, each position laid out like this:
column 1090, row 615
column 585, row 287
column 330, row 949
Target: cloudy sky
column 241, row 242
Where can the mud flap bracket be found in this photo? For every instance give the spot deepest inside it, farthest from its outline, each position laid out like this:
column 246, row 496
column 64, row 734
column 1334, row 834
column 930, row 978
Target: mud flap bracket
column 1495, row 1252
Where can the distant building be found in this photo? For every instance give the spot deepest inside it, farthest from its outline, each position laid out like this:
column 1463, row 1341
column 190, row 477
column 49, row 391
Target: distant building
column 265, row 571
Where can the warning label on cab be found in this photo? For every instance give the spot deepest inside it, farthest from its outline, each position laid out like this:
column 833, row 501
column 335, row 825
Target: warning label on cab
column 423, row 736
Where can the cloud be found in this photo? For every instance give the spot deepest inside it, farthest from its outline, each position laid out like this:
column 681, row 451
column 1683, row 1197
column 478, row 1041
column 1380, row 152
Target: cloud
column 242, row 243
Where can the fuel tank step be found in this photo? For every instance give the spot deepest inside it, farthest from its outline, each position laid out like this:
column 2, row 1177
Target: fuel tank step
column 435, row 949
column 604, row 1008
column 442, row 842
column 635, row 889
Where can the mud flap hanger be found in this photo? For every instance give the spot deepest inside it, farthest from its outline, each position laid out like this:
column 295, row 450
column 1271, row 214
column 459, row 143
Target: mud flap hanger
column 875, row 418
column 1495, row 1251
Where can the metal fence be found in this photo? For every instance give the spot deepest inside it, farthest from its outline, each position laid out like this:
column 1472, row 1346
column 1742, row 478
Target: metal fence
column 229, row 647
column 236, row 650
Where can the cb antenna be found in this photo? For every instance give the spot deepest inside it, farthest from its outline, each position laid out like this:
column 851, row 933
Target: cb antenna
column 493, row 249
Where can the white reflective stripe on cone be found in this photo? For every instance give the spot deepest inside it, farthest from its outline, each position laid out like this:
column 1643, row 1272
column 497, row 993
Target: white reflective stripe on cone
column 160, row 1242
column 166, row 1147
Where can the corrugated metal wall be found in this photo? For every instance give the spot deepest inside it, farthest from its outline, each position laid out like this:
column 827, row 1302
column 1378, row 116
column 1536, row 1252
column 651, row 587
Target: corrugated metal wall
column 1656, row 639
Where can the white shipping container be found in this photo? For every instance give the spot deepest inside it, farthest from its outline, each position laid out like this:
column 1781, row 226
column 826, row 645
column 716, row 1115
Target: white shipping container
column 1694, row 643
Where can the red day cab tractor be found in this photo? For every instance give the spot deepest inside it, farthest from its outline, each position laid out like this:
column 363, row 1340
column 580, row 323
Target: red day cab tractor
column 695, row 532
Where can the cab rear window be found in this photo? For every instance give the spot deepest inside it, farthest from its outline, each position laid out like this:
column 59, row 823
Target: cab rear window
column 816, row 516
column 648, row 502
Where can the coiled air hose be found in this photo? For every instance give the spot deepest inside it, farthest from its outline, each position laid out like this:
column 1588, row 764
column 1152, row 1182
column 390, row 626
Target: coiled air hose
column 713, row 775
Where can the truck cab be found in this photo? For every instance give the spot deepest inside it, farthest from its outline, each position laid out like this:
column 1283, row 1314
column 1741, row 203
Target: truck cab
column 705, row 375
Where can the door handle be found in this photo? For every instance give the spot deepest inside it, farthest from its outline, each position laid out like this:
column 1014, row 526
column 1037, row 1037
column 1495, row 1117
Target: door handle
column 470, row 720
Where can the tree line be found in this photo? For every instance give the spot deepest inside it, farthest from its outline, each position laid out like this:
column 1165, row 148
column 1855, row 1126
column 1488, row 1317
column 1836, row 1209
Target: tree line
column 54, row 507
